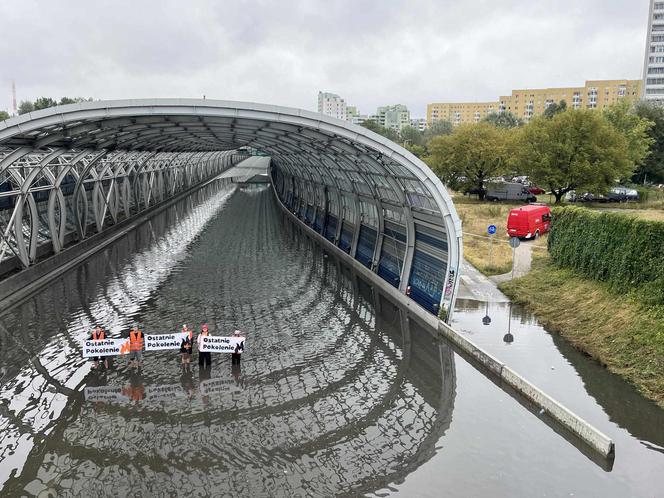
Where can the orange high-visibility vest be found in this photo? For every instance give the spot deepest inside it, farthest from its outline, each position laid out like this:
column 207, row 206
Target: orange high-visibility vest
column 135, row 340
column 98, row 336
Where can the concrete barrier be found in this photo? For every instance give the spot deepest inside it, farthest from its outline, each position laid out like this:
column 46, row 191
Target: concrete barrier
column 501, row 374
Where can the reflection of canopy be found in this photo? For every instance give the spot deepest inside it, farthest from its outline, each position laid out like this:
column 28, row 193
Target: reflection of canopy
column 366, row 194
column 356, row 432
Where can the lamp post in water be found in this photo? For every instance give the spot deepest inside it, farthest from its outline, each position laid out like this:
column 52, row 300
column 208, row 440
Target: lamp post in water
column 509, row 338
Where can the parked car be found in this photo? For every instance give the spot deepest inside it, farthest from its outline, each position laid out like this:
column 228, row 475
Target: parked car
column 622, row 194
column 507, row 191
column 536, row 190
column 529, row 221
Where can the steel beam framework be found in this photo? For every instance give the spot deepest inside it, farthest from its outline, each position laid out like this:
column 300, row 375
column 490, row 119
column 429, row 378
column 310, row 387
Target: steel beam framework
column 73, row 170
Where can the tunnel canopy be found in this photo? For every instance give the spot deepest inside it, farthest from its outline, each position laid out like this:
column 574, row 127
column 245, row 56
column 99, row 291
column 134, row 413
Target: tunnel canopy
column 91, row 163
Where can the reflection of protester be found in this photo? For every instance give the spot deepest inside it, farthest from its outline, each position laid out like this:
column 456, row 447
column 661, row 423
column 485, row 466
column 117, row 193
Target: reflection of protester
column 187, row 381
column 186, row 345
column 135, row 346
column 204, row 357
column 135, row 391
column 236, row 355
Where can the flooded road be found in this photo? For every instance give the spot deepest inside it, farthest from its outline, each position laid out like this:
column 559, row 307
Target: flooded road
column 338, row 392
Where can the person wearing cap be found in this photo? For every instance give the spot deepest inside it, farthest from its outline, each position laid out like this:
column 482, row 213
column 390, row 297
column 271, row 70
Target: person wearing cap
column 97, row 334
column 204, row 357
column 186, row 346
column 236, row 355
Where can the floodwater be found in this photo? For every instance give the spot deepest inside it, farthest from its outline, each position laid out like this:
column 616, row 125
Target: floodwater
column 338, row 393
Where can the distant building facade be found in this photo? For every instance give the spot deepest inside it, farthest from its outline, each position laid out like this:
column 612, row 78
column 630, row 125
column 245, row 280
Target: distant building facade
column 460, row 113
column 394, row 117
column 333, row 105
column 528, row 103
column 419, row 123
column 595, row 94
column 653, row 65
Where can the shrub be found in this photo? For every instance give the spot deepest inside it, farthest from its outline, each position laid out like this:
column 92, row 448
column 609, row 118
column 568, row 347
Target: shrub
column 626, row 252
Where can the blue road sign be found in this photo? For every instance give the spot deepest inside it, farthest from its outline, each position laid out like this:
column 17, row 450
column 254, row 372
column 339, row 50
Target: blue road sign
column 491, row 229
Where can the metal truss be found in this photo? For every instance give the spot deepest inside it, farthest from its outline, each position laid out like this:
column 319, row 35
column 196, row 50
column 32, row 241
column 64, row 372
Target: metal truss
column 367, row 195
column 54, row 196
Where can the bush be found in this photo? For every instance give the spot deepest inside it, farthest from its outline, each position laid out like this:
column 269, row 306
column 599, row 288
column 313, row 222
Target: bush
column 626, row 252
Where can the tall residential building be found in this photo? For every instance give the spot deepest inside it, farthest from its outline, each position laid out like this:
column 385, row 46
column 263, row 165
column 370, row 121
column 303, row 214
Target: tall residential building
column 331, row 104
column 460, row 113
column 653, row 65
column 395, row 117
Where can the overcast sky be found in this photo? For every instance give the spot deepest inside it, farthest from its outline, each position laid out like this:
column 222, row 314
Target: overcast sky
column 283, row 52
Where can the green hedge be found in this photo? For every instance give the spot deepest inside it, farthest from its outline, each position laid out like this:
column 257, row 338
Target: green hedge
column 624, row 251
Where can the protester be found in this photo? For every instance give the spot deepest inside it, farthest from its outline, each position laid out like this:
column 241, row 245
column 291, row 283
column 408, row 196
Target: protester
column 186, row 346
column 135, row 346
column 236, row 356
column 204, row 357
column 97, row 334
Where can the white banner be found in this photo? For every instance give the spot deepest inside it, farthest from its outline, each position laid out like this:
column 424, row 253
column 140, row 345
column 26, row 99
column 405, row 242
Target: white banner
column 222, row 344
column 164, row 341
column 105, row 394
column 105, row 347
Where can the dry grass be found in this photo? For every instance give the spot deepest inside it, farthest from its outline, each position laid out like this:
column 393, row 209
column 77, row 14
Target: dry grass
column 618, row 331
column 476, row 217
column 646, row 214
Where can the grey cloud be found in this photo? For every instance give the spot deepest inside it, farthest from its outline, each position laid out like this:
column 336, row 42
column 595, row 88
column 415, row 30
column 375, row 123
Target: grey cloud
column 371, row 52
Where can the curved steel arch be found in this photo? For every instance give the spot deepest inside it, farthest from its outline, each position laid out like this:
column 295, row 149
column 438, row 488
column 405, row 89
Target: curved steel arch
column 415, row 232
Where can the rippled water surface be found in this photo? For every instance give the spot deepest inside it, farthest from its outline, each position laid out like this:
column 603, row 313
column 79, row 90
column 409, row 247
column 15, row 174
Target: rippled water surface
column 338, row 392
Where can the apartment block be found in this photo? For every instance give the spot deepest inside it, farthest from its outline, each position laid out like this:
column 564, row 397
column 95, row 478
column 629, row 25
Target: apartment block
column 394, row 117
column 595, row 94
column 460, row 113
column 653, row 65
column 528, row 103
column 332, row 104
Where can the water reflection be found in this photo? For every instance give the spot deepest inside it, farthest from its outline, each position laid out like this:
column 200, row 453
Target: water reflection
column 338, row 391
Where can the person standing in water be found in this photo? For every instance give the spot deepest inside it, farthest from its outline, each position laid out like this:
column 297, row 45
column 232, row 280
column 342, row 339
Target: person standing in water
column 204, row 357
column 135, row 346
column 97, row 334
column 236, row 355
column 186, row 346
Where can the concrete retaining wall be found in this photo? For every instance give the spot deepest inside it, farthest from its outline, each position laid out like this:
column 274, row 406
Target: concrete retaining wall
column 498, row 371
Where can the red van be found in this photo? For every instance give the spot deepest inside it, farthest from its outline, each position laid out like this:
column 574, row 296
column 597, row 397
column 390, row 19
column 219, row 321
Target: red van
column 529, row 221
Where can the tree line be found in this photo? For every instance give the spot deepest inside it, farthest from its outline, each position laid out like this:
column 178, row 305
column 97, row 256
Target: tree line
column 562, row 150
column 26, row 106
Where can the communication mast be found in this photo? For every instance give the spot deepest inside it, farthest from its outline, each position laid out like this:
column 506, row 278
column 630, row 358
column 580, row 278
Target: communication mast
column 14, row 108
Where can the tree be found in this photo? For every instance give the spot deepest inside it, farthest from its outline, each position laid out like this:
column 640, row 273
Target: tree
column 652, row 167
column 554, row 109
column 436, row 129
column 411, row 135
column 503, row 119
column 475, row 151
column 634, row 128
column 388, row 133
column 25, row 106
column 44, row 102
column 75, row 100
column 573, row 150
column 3, row 115
column 417, row 150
